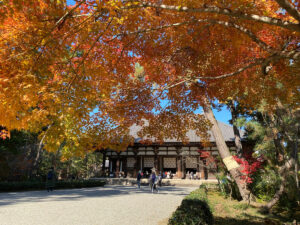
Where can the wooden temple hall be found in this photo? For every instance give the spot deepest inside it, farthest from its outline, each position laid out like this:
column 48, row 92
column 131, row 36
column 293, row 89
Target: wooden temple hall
column 172, row 156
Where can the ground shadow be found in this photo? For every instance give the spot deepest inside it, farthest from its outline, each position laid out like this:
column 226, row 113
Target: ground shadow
column 236, row 221
column 76, row 194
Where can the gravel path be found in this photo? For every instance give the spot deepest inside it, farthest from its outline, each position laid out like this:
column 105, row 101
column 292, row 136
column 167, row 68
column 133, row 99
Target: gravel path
column 109, row 205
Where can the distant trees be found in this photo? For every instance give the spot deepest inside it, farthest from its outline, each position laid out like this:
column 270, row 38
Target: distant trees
column 19, row 162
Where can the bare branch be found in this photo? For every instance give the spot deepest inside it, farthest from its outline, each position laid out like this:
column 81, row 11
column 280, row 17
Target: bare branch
column 221, row 11
column 289, row 8
column 174, row 85
column 64, row 17
column 256, row 63
column 192, row 79
column 140, row 31
column 254, row 38
column 293, row 54
column 242, row 29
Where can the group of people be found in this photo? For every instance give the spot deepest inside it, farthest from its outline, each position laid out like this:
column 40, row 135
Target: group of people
column 155, row 180
column 192, row 176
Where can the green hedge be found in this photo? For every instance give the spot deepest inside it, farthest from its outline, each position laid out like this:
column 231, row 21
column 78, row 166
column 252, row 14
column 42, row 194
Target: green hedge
column 38, row 185
column 194, row 210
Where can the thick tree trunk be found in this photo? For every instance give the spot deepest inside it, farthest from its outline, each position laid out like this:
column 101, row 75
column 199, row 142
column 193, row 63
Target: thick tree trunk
column 276, row 197
column 277, row 138
column 283, row 173
column 296, row 162
column 225, row 153
column 237, row 136
column 103, row 162
column 39, row 150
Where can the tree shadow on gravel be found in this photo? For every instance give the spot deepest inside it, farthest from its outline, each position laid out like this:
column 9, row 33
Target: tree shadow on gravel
column 11, row 198
column 236, row 221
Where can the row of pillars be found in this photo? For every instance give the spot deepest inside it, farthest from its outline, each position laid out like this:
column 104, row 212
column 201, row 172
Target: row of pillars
column 181, row 166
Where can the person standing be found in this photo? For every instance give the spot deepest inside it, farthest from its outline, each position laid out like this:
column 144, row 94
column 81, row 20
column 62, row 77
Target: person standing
column 139, row 177
column 50, row 182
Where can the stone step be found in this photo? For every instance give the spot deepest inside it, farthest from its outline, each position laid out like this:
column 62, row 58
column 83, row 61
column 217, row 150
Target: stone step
column 165, row 182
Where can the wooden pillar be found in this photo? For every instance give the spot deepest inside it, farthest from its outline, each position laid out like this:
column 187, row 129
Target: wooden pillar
column 179, row 162
column 202, row 169
column 118, row 166
column 135, row 168
column 179, row 165
column 103, row 162
column 205, row 170
column 125, row 166
column 155, row 150
column 160, row 162
column 183, row 167
column 136, row 163
column 110, row 166
column 198, row 167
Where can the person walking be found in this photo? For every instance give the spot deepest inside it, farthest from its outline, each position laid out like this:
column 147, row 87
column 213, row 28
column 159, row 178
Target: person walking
column 159, row 179
column 155, row 185
column 50, row 182
column 153, row 179
column 138, row 179
column 150, row 181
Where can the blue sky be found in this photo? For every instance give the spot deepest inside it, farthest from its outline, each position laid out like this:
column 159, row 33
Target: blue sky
column 223, row 115
column 70, row 2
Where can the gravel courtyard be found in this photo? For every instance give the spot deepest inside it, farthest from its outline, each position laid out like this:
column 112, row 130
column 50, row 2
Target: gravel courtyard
column 109, row 205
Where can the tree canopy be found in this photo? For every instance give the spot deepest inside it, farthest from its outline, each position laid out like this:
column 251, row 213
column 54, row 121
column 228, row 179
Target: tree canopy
column 70, row 71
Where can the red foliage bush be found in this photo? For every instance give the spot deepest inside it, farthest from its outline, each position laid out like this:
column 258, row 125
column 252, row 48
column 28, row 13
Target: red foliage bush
column 249, row 165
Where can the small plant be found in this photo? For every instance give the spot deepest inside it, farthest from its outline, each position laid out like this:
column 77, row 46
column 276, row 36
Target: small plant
column 241, row 206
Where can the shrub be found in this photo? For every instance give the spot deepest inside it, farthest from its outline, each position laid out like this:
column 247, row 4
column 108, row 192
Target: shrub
column 227, row 187
column 38, row 185
column 193, row 210
column 200, row 194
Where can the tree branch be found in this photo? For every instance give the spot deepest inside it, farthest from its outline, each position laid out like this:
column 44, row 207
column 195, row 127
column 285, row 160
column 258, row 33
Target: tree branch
column 285, row 4
column 64, row 17
column 192, row 79
column 221, row 11
column 293, row 54
column 255, row 63
column 88, row 52
column 244, row 30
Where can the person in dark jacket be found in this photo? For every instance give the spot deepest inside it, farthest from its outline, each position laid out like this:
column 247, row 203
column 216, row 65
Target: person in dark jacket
column 153, row 179
column 159, row 179
column 50, row 182
column 138, row 179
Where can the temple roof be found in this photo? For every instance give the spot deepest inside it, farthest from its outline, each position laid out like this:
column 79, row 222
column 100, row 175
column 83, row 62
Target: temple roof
column 226, row 130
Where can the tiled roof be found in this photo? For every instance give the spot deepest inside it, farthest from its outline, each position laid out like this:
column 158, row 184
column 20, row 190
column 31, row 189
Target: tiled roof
column 226, row 130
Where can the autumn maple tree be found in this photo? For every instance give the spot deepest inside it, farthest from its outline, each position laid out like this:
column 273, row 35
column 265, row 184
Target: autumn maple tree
column 70, row 71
